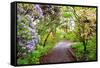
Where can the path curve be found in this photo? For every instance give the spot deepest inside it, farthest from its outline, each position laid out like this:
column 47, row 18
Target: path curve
column 62, row 52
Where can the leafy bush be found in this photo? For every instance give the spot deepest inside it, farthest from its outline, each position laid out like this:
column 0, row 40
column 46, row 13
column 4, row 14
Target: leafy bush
column 34, row 57
column 71, row 36
column 78, row 50
column 90, row 52
column 91, row 48
column 22, row 61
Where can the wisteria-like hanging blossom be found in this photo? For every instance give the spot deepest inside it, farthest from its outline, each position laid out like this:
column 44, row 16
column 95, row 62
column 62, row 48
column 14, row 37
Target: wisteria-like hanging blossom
column 30, row 46
column 28, row 31
column 38, row 10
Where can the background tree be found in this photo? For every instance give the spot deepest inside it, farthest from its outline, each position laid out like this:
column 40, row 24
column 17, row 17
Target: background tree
column 86, row 25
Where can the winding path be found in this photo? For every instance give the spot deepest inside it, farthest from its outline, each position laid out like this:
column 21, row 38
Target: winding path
column 62, row 52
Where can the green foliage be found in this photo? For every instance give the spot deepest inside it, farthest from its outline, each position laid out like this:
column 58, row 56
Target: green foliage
column 67, row 14
column 78, row 50
column 90, row 52
column 34, row 57
column 22, row 61
column 40, row 51
column 59, row 35
column 71, row 36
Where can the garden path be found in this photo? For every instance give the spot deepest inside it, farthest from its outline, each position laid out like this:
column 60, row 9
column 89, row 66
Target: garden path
column 62, row 52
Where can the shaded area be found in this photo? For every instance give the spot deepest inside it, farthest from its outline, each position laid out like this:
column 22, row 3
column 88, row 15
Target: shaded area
column 62, row 52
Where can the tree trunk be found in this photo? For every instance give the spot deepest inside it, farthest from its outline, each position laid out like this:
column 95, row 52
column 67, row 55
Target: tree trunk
column 84, row 54
column 47, row 37
column 84, row 46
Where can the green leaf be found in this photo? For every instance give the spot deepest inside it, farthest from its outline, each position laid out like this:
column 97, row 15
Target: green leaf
column 67, row 14
column 20, row 61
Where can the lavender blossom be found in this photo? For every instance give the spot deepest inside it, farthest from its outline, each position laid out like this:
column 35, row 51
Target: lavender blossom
column 38, row 10
column 26, row 30
column 47, row 7
column 19, row 41
column 30, row 46
column 19, row 18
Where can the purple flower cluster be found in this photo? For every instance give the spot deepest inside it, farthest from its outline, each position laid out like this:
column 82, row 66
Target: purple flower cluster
column 31, row 46
column 38, row 10
column 20, row 42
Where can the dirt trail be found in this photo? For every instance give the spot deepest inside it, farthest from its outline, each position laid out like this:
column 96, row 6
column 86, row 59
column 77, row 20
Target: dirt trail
column 60, row 53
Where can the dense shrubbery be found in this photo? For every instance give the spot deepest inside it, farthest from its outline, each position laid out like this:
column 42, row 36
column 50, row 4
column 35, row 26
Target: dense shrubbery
column 78, row 50
column 90, row 51
column 71, row 36
column 91, row 48
column 34, row 56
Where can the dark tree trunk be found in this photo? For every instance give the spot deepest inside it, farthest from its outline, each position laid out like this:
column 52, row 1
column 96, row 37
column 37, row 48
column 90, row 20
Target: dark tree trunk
column 84, row 54
column 47, row 37
column 84, row 46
